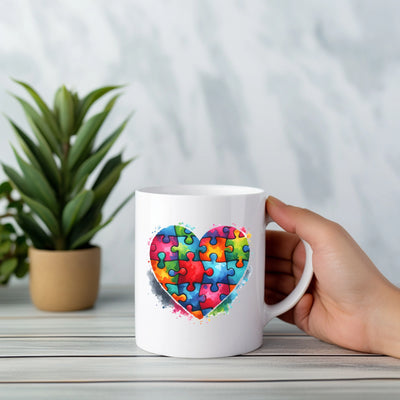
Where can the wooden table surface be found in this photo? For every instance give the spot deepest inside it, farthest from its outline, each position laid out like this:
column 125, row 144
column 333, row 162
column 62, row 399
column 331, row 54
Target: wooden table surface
column 93, row 355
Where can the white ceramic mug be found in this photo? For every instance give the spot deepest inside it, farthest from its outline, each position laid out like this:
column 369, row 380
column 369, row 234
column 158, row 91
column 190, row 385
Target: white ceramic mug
column 200, row 270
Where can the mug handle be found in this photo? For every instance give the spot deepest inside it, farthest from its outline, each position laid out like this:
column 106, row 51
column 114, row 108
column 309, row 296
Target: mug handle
column 271, row 311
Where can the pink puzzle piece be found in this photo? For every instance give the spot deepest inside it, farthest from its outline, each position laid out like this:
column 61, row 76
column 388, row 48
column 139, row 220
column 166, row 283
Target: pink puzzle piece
column 213, row 298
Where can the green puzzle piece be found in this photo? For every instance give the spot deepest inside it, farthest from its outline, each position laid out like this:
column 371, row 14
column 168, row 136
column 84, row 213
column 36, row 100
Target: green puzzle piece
column 180, row 231
column 237, row 245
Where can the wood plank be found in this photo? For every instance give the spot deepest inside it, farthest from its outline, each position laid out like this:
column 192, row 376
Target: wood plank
column 126, row 346
column 367, row 390
column 112, row 300
column 164, row 369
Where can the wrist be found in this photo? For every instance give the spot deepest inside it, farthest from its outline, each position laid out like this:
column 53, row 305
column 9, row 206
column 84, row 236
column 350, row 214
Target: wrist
column 385, row 323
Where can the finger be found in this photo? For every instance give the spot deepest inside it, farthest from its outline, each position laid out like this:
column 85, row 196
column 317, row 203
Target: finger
column 280, row 244
column 281, row 283
column 278, row 265
column 308, row 225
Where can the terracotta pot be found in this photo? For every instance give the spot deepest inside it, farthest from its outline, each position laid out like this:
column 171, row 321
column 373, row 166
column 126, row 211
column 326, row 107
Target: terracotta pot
column 64, row 280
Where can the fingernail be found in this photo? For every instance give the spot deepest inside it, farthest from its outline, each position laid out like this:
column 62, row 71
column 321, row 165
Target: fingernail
column 275, row 202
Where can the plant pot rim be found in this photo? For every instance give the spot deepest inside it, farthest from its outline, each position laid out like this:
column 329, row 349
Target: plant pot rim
column 91, row 248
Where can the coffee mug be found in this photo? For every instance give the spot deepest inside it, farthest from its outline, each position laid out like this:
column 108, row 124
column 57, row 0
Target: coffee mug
column 200, row 270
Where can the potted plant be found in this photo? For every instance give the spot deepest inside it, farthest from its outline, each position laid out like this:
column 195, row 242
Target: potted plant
column 55, row 182
column 13, row 244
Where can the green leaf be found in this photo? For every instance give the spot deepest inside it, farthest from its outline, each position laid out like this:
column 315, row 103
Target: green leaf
column 77, row 187
column 21, row 249
column 90, row 98
column 40, row 128
column 5, row 247
column 40, row 156
column 47, row 114
column 22, row 268
column 64, row 107
column 76, row 209
column 8, row 266
column 16, row 205
column 19, row 182
column 93, row 161
column 38, row 236
column 85, row 239
column 44, row 214
column 5, row 189
column 8, row 228
column 105, row 186
column 26, row 144
column 107, row 168
column 84, row 137
column 38, row 185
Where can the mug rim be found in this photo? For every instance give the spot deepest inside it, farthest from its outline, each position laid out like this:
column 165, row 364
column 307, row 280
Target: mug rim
column 201, row 190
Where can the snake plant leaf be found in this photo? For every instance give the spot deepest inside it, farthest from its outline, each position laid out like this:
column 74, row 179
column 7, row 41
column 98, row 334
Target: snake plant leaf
column 90, row 98
column 84, row 137
column 107, row 168
column 76, row 209
column 7, row 267
column 104, row 188
column 79, row 185
column 84, row 239
column 39, row 188
column 34, row 231
column 41, row 130
column 44, row 214
column 27, row 145
column 64, row 109
column 20, row 183
column 94, row 160
column 47, row 114
column 39, row 156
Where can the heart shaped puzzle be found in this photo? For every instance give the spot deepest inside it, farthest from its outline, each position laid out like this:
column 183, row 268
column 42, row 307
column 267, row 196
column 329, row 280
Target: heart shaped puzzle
column 199, row 274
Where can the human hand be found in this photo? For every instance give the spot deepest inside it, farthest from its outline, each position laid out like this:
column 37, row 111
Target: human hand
column 349, row 302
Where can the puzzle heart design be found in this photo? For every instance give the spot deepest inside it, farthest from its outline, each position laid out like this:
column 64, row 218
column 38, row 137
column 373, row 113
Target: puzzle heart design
column 199, row 274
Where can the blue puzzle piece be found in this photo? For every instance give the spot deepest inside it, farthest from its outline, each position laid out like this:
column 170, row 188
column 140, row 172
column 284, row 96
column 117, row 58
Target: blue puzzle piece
column 235, row 277
column 193, row 298
column 220, row 272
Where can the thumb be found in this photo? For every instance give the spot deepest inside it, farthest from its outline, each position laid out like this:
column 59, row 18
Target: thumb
column 305, row 223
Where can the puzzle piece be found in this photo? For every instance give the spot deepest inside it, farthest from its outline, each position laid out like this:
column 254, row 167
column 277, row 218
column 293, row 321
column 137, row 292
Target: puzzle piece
column 158, row 245
column 162, row 270
column 220, row 272
column 238, row 271
column 214, row 233
column 213, row 298
column 193, row 297
column 192, row 272
column 219, row 249
column 229, row 232
column 184, row 248
column 185, row 233
column 239, row 248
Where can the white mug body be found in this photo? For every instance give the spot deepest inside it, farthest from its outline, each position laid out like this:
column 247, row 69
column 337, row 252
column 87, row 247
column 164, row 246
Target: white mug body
column 233, row 326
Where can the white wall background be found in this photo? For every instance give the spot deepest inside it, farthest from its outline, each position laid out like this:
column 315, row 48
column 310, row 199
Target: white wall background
column 300, row 98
